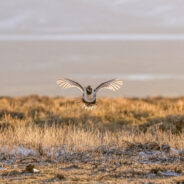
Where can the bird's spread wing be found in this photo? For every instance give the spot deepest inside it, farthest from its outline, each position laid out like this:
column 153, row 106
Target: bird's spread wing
column 113, row 84
column 67, row 83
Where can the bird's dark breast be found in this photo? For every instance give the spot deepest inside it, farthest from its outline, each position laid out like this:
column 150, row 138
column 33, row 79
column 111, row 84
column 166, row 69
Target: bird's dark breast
column 89, row 103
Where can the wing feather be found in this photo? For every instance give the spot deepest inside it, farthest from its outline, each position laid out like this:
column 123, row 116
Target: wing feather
column 68, row 83
column 113, row 84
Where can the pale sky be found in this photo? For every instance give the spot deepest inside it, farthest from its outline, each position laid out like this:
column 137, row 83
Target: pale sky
column 91, row 16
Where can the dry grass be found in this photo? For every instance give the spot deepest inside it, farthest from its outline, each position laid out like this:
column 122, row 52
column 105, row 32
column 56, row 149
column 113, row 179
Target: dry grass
column 57, row 128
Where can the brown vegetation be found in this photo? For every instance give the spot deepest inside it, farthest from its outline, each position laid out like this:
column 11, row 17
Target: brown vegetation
column 122, row 140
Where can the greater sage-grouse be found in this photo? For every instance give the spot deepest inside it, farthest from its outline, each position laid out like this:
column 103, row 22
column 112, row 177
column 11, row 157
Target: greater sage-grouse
column 89, row 94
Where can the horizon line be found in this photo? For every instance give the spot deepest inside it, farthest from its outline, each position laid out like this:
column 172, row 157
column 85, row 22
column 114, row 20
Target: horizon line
column 132, row 77
column 92, row 37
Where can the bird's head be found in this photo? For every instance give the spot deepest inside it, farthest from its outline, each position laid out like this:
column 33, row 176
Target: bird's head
column 89, row 90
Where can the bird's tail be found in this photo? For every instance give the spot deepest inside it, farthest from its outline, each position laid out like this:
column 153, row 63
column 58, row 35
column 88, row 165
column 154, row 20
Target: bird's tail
column 86, row 106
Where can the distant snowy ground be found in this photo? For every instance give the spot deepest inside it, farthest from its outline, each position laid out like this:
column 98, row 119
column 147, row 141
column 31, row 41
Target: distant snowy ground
column 139, row 41
column 147, row 67
column 93, row 37
column 132, row 77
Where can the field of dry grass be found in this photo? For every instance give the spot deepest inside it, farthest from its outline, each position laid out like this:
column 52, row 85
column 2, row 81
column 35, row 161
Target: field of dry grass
column 124, row 140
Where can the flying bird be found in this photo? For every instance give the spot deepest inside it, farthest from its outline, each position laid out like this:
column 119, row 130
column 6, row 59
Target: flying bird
column 88, row 93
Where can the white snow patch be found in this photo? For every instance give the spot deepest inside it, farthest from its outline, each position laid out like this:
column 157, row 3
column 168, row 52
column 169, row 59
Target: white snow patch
column 169, row 173
column 4, row 149
column 174, row 151
column 143, row 154
column 91, row 37
column 56, row 151
column 22, row 151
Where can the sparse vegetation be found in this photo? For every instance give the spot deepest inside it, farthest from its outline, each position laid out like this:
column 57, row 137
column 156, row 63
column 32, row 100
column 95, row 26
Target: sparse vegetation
column 123, row 140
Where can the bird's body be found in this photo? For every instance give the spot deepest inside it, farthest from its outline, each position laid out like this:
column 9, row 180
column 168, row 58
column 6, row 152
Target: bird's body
column 89, row 94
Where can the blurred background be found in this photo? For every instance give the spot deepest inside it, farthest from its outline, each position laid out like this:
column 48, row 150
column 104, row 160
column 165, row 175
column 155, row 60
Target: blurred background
column 90, row 41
